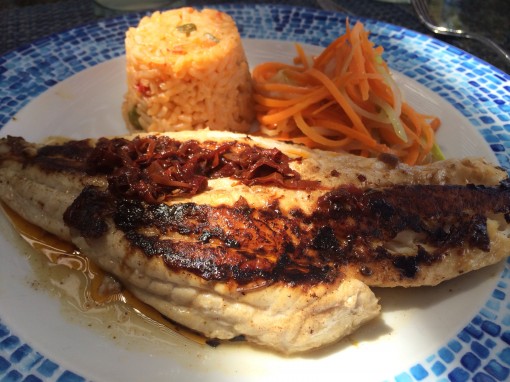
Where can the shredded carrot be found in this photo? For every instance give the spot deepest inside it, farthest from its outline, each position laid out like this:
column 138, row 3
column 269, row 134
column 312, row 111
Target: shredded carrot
column 343, row 99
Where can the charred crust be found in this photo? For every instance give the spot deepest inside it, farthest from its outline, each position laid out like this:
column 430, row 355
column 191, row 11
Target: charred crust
column 68, row 157
column 348, row 225
column 89, row 212
column 334, row 173
column 409, row 266
column 75, row 150
column 239, row 338
column 479, row 237
column 326, row 243
column 19, row 148
column 213, row 342
column 129, row 215
column 389, row 160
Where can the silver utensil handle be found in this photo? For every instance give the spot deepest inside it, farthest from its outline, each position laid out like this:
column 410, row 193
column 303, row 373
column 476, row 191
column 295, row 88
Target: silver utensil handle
column 490, row 43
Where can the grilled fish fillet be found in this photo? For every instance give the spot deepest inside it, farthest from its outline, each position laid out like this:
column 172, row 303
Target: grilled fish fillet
column 234, row 235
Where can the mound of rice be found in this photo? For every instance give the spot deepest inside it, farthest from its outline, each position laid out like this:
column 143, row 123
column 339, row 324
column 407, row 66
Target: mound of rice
column 187, row 69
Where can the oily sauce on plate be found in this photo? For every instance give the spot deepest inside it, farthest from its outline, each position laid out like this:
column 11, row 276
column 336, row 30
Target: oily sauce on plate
column 99, row 291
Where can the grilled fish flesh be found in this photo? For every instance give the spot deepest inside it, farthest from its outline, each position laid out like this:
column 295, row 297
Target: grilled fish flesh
column 234, row 235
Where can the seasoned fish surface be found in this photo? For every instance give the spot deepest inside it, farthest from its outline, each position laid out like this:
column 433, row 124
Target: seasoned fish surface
column 234, row 236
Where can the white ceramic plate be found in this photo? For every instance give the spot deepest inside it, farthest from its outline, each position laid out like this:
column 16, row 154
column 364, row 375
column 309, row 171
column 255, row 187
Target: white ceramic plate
column 449, row 331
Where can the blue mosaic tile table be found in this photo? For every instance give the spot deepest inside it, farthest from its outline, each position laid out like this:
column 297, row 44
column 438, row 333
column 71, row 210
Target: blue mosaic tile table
column 481, row 350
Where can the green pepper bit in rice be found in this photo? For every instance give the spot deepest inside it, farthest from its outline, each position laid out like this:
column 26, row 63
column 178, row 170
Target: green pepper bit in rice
column 187, row 69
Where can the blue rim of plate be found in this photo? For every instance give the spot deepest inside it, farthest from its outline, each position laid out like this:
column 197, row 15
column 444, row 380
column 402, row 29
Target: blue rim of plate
column 479, row 91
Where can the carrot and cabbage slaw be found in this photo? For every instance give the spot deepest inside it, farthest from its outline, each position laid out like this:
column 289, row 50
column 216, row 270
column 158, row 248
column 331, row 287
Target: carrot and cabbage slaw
column 344, row 99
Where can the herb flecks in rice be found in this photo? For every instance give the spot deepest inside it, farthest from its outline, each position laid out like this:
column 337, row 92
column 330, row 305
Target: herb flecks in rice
column 187, row 70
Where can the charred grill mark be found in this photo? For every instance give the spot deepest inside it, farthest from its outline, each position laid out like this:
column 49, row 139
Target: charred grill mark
column 17, row 145
column 448, row 215
column 480, row 237
column 326, row 244
column 348, row 226
column 73, row 150
column 210, row 262
column 89, row 212
column 70, row 157
column 410, row 265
